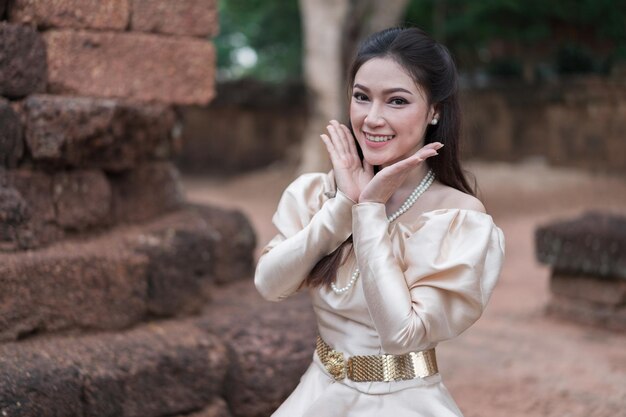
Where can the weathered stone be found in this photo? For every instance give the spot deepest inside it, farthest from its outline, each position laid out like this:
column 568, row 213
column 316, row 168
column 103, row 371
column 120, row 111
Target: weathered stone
column 35, row 188
column 22, row 61
column 218, row 408
column 96, row 14
column 69, row 286
column 69, row 201
column 82, row 199
column 589, row 288
column 587, row 312
column 181, row 17
column 166, row 268
column 157, row 370
column 13, row 214
column 263, row 124
column 151, row 371
column 179, row 270
column 146, row 192
column 131, row 65
column 270, row 342
column 593, row 244
column 11, row 139
column 235, row 243
column 97, row 133
column 31, row 384
column 186, row 252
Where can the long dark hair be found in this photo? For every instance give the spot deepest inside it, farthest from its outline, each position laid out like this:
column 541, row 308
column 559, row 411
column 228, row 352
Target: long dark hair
column 432, row 68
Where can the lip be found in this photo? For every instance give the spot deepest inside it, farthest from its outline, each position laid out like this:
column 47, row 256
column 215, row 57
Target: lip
column 376, row 145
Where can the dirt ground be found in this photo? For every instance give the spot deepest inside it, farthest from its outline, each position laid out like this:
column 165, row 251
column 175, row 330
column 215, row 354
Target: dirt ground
column 515, row 361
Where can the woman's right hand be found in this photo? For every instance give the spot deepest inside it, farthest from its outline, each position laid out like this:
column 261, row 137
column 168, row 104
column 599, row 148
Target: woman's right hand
column 350, row 175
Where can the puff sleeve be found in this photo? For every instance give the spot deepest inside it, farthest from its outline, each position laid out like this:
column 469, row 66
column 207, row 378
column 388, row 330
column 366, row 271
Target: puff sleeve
column 437, row 281
column 312, row 220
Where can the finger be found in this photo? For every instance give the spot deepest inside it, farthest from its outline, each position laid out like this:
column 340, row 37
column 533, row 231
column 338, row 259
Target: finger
column 351, row 140
column 341, row 142
column 434, row 145
column 336, row 141
column 329, row 145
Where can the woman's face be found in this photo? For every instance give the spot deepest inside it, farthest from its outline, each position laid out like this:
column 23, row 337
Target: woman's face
column 388, row 111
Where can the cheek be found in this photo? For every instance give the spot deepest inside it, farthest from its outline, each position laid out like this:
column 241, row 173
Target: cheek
column 355, row 117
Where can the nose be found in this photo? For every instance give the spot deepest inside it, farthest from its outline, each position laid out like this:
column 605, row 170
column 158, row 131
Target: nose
column 374, row 117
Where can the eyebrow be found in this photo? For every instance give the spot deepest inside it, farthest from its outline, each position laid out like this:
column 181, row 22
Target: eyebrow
column 387, row 91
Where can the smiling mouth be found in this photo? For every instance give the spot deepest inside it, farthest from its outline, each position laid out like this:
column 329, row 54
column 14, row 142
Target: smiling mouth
column 378, row 138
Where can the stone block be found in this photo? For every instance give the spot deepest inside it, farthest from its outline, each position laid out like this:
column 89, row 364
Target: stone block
column 130, row 65
column 269, row 342
column 57, row 204
column 262, row 123
column 151, row 371
column 157, row 370
column 11, row 136
column 235, row 242
column 95, row 14
column 82, row 199
column 589, row 288
column 593, row 244
column 97, row 133
column 13, row 214
column 35, row 187
column 33, row 385
column 145, row 192
column 23, row 64
column 181, row 17
column 180, row 265
column 70, row 286
column 165, row 268
column 218, row 408
column 587, row 312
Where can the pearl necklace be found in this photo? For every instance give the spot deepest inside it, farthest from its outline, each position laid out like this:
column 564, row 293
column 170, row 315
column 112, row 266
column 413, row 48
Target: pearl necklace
column 411, row 199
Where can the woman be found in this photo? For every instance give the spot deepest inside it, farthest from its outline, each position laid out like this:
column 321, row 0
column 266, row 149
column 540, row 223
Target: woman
column 395, row 250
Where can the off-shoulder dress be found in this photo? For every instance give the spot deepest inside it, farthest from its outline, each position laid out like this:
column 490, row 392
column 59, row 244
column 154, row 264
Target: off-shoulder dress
column 424, row 278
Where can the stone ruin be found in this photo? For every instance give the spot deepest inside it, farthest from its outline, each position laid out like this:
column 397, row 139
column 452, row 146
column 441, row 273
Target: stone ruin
column 588, row 260
column 117, row 296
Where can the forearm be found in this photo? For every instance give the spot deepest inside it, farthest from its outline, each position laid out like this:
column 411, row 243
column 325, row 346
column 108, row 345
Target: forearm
column 285, row 264
column 384, row 285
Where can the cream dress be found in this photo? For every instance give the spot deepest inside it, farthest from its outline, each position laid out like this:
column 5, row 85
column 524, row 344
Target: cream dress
column 425, row 278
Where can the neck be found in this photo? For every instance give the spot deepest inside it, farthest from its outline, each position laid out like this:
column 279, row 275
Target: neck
column 416, row 176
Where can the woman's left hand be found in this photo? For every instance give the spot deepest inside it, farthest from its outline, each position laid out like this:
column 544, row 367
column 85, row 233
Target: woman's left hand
column 390, row 178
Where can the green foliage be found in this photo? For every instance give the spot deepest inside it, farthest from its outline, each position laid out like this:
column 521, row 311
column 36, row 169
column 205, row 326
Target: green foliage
column 501, row 36
column 480, row 31
column 271, row 28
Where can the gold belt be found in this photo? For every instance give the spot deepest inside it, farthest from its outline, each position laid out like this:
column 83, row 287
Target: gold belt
column 383, row 368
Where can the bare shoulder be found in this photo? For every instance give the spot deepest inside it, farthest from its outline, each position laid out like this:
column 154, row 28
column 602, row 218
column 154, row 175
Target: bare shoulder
column 450, row 198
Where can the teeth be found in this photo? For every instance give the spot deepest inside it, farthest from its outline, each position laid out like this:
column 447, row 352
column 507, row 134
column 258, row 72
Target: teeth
column 378, row 138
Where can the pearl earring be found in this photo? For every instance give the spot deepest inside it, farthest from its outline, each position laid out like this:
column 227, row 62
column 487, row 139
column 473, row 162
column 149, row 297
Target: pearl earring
column 434, row 121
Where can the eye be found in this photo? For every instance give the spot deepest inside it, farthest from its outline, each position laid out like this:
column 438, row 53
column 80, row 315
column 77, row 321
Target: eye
column 398, row 101
column 359, row 96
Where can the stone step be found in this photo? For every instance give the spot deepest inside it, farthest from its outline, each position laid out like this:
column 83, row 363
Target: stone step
column 164, row 268
column 155, row 370
column 271, row 345
column 592, row 244
column 78, row 202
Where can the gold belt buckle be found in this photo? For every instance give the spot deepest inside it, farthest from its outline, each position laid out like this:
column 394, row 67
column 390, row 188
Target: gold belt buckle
column 335, row 365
